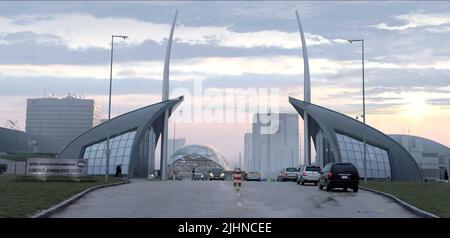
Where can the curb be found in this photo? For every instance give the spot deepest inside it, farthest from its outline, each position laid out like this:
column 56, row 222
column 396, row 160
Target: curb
column 60, row 206
column 407, row 206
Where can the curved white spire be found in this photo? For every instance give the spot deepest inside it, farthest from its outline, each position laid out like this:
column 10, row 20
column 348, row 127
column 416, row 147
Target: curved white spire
column 165, row 96
column 307, row 94
column 165, row 88
column 307, row 85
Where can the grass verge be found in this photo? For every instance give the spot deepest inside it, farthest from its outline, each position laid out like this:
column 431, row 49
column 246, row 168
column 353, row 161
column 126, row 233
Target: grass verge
column 433, row 197
column 21, row 197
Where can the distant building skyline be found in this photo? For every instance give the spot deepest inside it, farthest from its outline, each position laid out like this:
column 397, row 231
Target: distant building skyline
column 271, row 153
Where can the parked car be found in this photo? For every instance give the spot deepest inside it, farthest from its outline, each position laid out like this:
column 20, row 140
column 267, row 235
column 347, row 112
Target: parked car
column 253, row 176
column 339, row 175
column 216, row 174
column 309, row 174
column 290, row 174
column 199, row 176
column 228, row 175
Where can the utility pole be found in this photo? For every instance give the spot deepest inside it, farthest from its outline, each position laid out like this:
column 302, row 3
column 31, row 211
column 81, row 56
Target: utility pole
column 364, row 107
column 108, row 149
column 292, row 158
column 259, row 158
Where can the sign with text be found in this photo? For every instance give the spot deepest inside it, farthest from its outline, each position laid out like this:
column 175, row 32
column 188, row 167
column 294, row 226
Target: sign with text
column 56, row 167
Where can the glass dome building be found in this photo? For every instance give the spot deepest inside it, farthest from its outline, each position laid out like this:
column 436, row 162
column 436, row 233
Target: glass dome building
column 200, row 157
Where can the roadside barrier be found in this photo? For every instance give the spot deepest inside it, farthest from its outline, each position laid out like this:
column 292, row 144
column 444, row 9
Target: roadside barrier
column 237, row 178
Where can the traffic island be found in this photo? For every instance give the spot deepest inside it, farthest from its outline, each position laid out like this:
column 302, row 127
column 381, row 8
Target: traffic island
column 431, row 197
column 27, row 196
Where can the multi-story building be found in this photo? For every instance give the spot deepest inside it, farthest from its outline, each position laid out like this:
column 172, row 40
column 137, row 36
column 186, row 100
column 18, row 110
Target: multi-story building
column 273, row 144
column 61, row 119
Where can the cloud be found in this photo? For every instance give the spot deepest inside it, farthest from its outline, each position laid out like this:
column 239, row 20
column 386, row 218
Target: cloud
column 416, row 20
column 323, row 70
column 81, row 31
column 355, row 109
column 182, row 69
column 439, row 101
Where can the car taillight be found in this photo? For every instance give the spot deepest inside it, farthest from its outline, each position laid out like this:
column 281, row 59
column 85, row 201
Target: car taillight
column 329, row 175
column 304, row 173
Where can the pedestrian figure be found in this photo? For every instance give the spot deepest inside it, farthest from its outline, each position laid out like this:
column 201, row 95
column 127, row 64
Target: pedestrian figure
column 446, row 176
column 174, row 175
column 193, row 173
column 119, row 171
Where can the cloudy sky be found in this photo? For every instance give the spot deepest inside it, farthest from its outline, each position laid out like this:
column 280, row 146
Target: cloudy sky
column 60, row 48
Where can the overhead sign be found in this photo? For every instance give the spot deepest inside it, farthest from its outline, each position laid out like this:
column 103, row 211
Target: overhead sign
column 56, row 167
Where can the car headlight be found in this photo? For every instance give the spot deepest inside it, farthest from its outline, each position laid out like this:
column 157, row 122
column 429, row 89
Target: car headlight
column 222, row 175
column 212, row 175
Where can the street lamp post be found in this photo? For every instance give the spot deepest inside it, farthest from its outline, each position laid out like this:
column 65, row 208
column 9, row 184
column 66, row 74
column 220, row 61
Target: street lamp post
column 364, row 107
column 259, row 157
column 108, row 150
column 240, row 161
column 292, row 157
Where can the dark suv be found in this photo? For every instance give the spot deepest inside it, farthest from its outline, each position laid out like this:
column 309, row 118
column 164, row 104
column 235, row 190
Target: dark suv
column 339, row 175
column 216, row 174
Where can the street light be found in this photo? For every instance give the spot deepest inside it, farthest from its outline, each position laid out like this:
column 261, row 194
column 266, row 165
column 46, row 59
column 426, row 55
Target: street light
column 108, row 150
column 259, row 156
column 364, row 106
column 292, row 157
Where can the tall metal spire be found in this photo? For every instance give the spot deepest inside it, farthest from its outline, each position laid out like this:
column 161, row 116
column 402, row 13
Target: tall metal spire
column 165, row 96
column 307, row 92
column 165, row 88
column 307, row 86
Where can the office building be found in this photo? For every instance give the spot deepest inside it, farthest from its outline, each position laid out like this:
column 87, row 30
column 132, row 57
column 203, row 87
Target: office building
column 61, row 119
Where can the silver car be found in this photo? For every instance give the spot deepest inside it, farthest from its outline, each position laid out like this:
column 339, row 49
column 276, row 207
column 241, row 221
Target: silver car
column 289, row 174
column 253, row 176
column 309, row 174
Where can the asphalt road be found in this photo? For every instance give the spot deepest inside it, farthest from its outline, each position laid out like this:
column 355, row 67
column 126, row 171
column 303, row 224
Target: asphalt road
column 190, row 199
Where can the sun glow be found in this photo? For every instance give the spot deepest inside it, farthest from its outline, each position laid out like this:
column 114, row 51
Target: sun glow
column 416, row 106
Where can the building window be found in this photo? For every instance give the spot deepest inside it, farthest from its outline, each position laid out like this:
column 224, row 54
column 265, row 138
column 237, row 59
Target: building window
column 120, row 154
column 377, row 159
